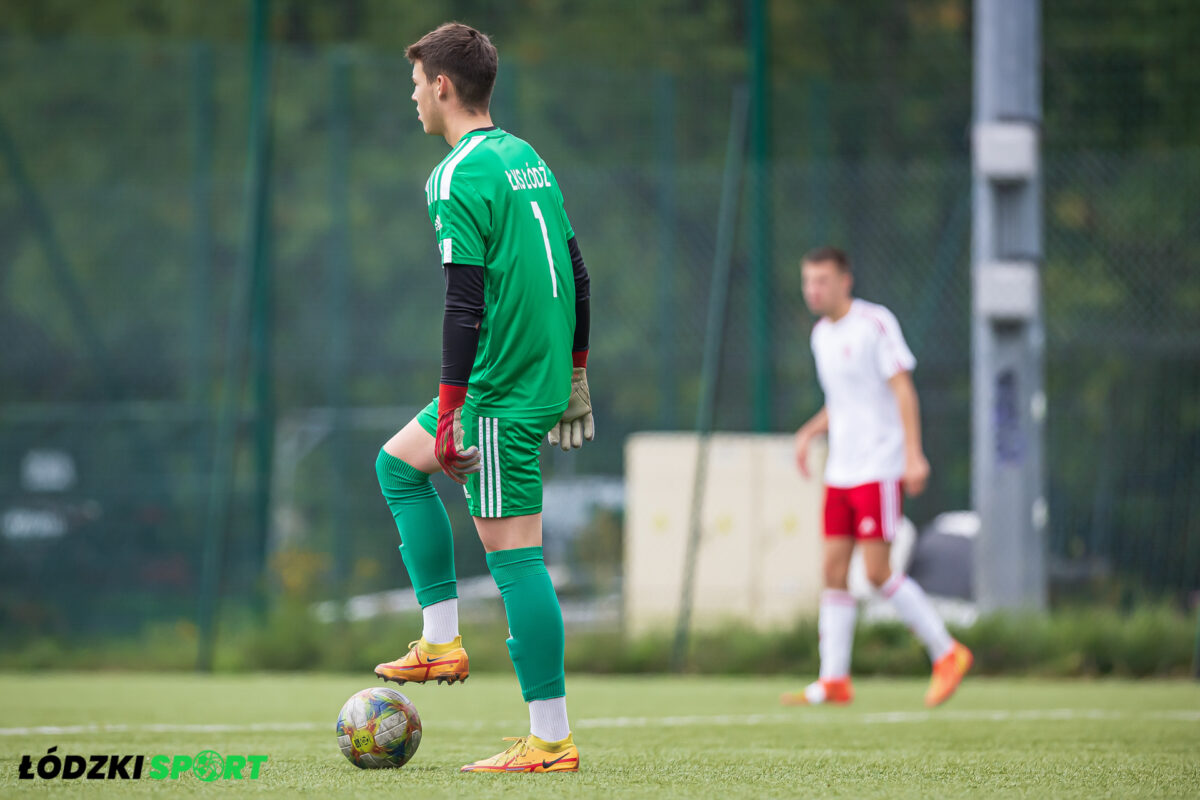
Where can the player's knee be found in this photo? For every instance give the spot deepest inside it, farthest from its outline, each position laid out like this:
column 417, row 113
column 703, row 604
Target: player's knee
column 835, row 573
column 878, row 574
column 396, row 474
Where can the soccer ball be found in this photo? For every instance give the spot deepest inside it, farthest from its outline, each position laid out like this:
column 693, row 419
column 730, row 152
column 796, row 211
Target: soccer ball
column 378, row 727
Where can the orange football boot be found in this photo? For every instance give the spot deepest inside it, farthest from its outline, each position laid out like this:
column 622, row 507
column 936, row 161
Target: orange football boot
column 531, row 754
column 447, row 663
column 948, row 672
column 837, row 691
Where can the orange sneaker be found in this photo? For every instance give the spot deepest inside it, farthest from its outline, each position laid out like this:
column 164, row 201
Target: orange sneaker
column 948, row 672
column 837, row 691
column 531, row 754
column 424, row 661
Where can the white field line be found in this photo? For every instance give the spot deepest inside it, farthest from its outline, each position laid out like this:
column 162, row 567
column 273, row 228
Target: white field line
column 806, row 718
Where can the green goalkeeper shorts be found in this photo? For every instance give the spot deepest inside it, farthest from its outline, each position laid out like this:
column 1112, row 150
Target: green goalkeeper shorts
column 509, row 483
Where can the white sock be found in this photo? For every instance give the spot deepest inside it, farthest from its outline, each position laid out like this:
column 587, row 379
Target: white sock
column 914, row 608
column 835, row 628
column 548, row 719
column 441, row 621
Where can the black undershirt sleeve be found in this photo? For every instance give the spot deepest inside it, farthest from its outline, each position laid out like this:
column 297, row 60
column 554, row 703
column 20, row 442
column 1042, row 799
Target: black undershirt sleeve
column 583, row 298
column 465, row 307
column 460, row 324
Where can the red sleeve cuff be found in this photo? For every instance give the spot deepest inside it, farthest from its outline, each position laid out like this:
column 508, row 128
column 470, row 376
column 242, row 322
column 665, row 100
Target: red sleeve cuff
column 450, row 397
column 579, row 359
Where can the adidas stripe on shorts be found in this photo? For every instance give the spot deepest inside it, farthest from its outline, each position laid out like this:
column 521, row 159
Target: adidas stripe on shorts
column 509, row 483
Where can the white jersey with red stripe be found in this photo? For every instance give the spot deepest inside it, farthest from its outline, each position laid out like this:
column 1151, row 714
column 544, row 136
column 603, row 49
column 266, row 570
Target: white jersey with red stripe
column 856, row 357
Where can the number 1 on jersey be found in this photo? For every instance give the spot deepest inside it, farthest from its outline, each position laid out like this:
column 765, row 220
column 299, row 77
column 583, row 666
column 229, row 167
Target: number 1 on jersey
column 537, row 212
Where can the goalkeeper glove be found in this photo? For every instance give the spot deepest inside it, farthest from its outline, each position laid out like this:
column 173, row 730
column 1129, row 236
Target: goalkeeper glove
column 576, row 423
column 448, row 445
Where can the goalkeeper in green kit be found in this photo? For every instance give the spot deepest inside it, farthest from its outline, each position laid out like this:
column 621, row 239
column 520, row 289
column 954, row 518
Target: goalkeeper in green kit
column 514, row 352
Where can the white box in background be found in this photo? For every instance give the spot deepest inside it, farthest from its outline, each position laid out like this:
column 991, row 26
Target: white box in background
column 760, row 553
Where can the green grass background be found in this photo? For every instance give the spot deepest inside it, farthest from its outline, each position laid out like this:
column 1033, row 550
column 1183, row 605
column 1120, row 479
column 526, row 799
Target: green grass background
column 638, row 736
column 1150, row 641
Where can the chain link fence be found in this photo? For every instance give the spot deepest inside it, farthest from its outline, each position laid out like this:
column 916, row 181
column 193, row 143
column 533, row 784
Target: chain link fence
column 122, row 217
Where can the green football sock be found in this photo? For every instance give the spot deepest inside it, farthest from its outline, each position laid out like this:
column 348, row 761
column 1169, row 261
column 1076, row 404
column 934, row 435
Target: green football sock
column 535, row 626
column 426, row 543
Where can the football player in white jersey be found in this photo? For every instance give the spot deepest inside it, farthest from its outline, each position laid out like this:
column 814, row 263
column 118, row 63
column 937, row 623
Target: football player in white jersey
column 872, row 418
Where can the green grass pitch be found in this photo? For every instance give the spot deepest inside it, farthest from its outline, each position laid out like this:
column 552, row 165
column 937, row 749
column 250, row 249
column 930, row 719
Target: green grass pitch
column 658, row 737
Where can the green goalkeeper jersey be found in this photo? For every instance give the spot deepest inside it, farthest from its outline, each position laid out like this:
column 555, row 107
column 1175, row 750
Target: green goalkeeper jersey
column 495, row 204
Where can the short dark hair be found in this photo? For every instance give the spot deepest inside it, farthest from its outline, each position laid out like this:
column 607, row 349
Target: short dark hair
column 828, row 253
column 465, row 56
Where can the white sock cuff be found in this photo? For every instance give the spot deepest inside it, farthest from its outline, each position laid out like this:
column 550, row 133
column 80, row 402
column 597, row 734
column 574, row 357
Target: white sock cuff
column 440, row 621
column 837, row 597
column 892, row 584
column 548, row 719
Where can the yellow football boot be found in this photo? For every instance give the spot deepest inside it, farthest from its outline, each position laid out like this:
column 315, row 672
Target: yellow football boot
column 447, row 663
column 948, row 672
column 531, row 754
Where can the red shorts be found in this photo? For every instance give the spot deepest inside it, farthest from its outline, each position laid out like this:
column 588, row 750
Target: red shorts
column 870, row 511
